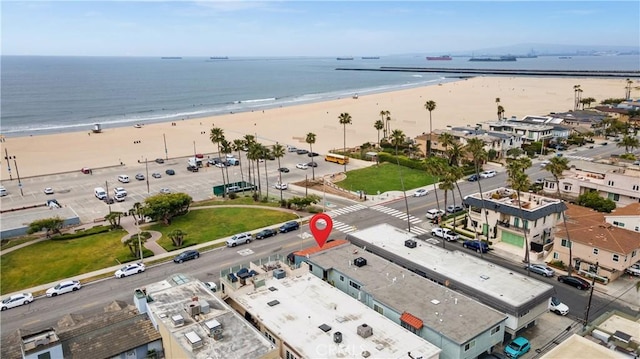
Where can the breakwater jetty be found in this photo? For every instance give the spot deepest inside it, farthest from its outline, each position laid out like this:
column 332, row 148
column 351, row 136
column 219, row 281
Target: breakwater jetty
column 513, row 72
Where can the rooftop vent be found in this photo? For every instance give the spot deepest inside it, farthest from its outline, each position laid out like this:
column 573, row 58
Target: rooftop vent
column 337, row 337
column 365, row 331
column 366, row 354
column 325, row 328
column 177, row 320
column 410, row 243
column 193, row 308
column 273, row 303
column 273, row 289
column 360, row 262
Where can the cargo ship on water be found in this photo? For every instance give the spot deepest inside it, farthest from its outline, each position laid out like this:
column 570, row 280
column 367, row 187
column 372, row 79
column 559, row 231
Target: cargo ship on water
column 219, row 58
column 439, row 58
column 493, row 59
column 370, row 57
column 171, row 58
column 344, row 58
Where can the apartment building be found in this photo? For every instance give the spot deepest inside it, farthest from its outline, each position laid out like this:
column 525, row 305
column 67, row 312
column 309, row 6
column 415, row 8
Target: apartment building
column 529, row 128
column 617, row 183
column 598, row 248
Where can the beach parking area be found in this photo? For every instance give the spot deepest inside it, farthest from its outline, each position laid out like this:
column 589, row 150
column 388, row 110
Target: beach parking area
column 460, row 103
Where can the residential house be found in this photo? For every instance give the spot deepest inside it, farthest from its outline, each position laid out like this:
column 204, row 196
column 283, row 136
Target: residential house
column 627, row 217
column 499, row 142
column 507, row 223
column 529, row 128
column 617, row 183
column 461, row 326
column 598, row 248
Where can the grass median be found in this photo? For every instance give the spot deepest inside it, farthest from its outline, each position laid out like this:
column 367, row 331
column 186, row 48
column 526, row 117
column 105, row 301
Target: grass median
column 384, row 177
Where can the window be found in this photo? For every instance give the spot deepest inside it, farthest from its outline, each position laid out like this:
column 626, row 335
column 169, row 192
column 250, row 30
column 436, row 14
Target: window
column 535, row 223
column 595, row 251
column 342, row 278
column 636, row 187
column 619, row 224
column 614, row 196
column 544, row 219
column 616, row 258
column 525, row 224
column 556, row 255
column 355, row 285
column 46, row 355
column 495, row 330
column 516, row 222
column 409, row 327
column 310, row 267
column 268, row 336
column 633, row 253
column 567, row 187
column 290, row 356
column 610, row 183
column 566, row 243
column 378, row 309
column 469, row 345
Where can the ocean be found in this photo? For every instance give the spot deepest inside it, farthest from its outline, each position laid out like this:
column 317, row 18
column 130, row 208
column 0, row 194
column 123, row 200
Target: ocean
column 41, row 94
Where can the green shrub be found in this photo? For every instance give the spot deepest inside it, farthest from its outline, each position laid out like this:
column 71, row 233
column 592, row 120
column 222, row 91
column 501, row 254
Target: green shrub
column 80, row 234
column 593, row 200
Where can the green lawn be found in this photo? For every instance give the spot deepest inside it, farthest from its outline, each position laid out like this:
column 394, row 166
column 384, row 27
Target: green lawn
column 384, row 177
column 205, row 225
column 245, row 199
column 49, row 261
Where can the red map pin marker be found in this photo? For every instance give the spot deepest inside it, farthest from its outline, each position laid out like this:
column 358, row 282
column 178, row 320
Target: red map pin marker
column 321, row 234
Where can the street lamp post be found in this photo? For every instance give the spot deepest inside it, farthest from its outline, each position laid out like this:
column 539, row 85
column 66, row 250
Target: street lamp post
column 146, row 165
column 15, row 164
column 166, row 154
column 139, row 242
column 6, row 157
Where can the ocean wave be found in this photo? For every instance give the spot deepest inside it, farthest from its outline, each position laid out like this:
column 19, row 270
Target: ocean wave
column 258, row 100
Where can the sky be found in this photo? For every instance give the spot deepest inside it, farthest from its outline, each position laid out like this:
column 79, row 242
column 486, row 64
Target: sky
column 307, row 28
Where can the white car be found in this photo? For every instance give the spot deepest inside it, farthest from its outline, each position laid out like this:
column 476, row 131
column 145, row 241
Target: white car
column 165, row 190
column 211, row 286
column 130, row 269
column 488, row 174
column 123, row 178
column 120, row 197
column 544, row 163
column 445, row 233
column 634, row 269
column 434, row 213
column 239, row 239
column 120, row 190
column 302, row 166
column 64, row 287
column 281, row 185
column 421, row 192
column 48, row 190
column 17, row 300
column 556, row 306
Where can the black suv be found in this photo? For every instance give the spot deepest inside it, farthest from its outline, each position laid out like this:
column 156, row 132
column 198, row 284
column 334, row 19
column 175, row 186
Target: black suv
column 265, row 233
column 289, row 226
column 186, row 255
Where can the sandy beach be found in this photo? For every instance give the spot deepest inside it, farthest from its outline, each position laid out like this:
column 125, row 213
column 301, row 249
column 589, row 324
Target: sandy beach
column 460, row 103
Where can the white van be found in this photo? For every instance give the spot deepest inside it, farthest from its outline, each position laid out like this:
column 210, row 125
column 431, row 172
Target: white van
column 3, row 191
column 123, row 178
column 100, row 193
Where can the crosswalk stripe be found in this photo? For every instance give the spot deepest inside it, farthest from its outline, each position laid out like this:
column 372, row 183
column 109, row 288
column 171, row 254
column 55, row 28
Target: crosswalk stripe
column 343, row 227
column 345, row 210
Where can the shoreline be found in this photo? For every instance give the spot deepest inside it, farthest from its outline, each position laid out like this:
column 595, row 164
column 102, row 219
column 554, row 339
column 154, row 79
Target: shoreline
column 464, row 102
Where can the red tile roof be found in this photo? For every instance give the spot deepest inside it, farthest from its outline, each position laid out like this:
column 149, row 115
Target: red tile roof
column 632, row 209
column 312, row 250
column 412, row 320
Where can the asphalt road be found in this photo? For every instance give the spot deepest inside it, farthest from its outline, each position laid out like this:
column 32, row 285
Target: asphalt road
column 75, row 190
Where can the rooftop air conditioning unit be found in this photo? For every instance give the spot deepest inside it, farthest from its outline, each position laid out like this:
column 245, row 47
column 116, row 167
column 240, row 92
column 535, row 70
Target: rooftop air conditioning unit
column 337, row 337
column 360, row 262
column 279, row 273
column 194, row 340
column 177, row 320
column 213, row 325
column 193, row 308
column 410, row 243
column 365, row 331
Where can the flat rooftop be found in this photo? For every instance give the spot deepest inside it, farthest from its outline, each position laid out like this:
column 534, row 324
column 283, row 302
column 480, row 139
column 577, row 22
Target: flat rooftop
column 505, row 200
column 295, row 309
column 499, row 287
column 578, row 347
column 239, row 339
column 455, row 315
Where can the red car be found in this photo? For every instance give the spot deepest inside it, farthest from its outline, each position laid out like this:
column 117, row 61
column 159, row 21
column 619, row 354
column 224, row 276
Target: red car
column 86, row 170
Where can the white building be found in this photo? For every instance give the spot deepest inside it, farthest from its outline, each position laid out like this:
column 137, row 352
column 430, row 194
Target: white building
column 617, row 183
column 521, row 298
column 529, row 128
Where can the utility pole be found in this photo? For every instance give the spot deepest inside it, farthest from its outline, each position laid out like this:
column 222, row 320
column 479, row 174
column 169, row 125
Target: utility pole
column 146, row 165
column 6, row 157
column 593, row 283
column 106, row 185
column 15, row 164
column 166, row 154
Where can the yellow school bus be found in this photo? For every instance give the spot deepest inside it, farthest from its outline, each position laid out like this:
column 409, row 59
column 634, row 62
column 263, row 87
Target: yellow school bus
column 339, row 159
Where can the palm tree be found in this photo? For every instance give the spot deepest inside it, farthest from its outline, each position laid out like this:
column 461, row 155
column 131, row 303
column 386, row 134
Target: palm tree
column 255, row 154
column 430, row 106
column 379, row 125
column 248, row 141
column 556, row 166
column 383, row 114
column 345, row 119
column 627, row 94
column 629, row 142
column 475, row 147
column 225, row 148
column 397, row 138
column 446, row 183
column 238, row 146
column 446, row 139
column 498, row 104
column 264, row 153
column 575, row 96
column 217, row 136
column 435, row 167
column 311, row 139
column 519, row 181
column 455, row 152
column 500, row 113
column 388, row 122
column 587, row 101
column 278, row 152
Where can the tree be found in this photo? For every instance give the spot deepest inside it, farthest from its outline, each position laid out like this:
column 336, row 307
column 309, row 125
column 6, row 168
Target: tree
column 114, row 219
column 454, row 153
column 137, row 211
column 446, row 183
column 254, row 155
column 383, row 115
column 226, row 148
column 238, row 146
column 498, row 107
column 50, row 225
column 475, row 147
column 587, row 101
column 519, row 181
column 278, row 152
column 163, row 207
column 575, row 97
column 446, row 139
column 345, row 119
column 311, row 139
column 430, row 106
column 379, row 125
column 216, row 135
column 627, row 93
column 593, row 200
column 435, row 167
column 264, row 151
column 629, row 143
column 177, row 237
column 134, row 243
column 500, row 113
column 303, row 202
column 397, row 138
column 557, row 166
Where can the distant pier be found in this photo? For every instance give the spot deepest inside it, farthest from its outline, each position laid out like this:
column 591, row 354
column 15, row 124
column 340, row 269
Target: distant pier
column 514, row 72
